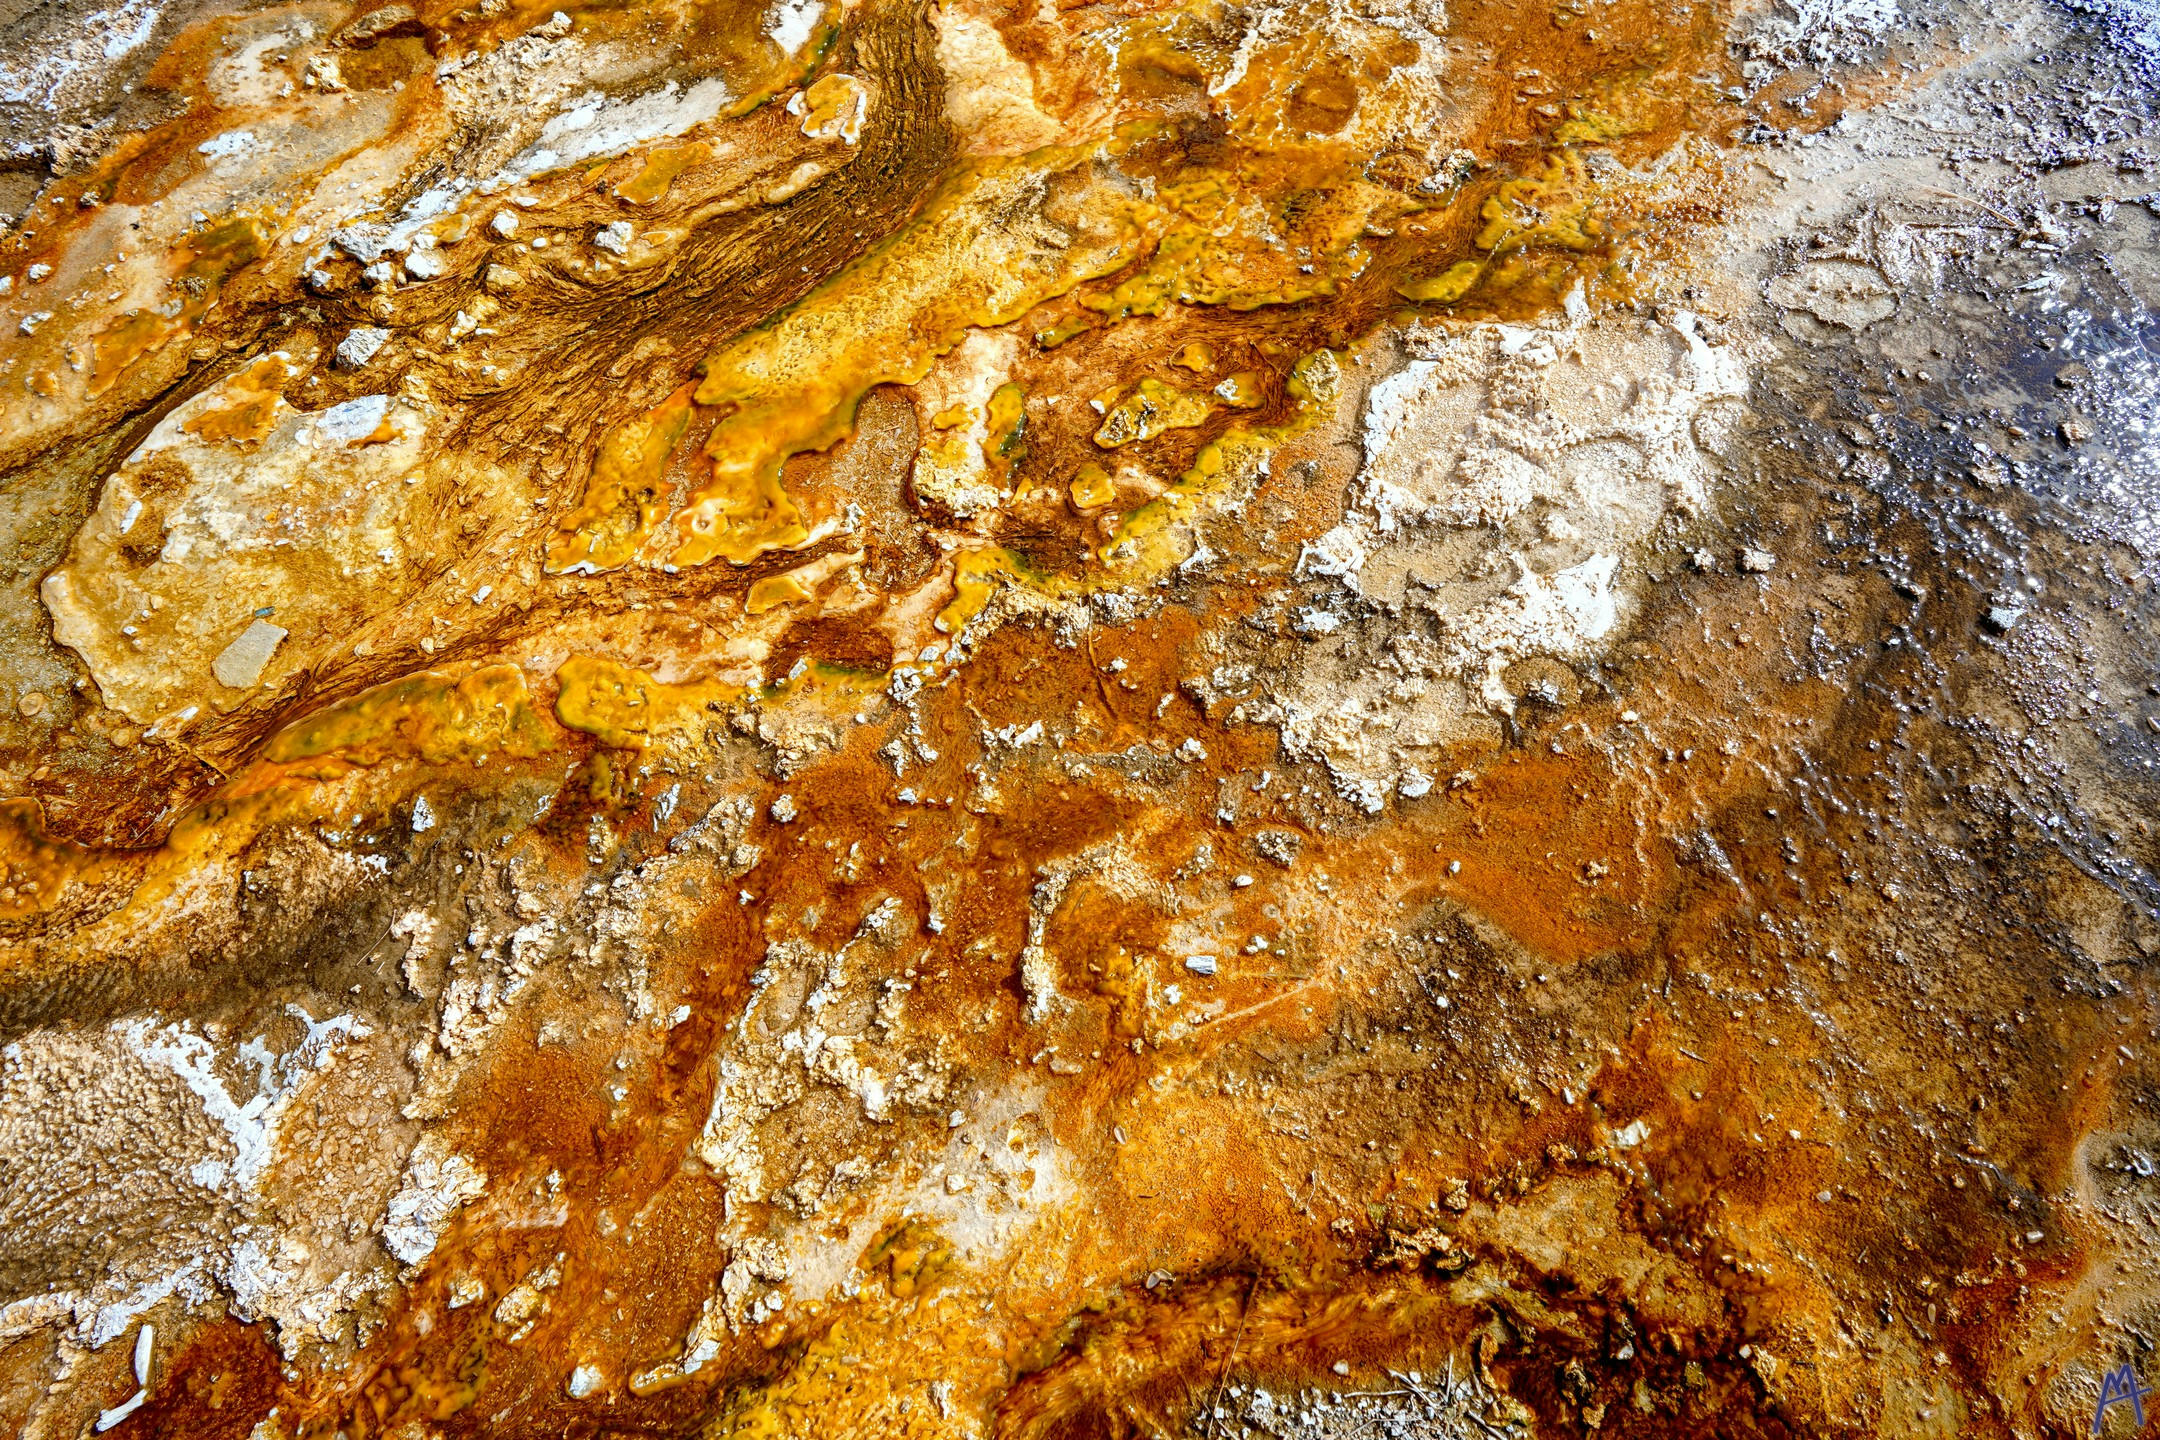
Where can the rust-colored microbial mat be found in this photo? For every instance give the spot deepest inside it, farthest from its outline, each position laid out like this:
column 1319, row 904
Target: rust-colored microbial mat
column 1175, row 719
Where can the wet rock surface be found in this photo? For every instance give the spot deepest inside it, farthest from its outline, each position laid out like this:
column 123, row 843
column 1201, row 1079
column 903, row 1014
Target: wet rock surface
column 1303, row 720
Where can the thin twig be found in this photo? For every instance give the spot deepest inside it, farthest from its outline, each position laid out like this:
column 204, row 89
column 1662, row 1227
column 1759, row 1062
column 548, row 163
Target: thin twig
column 1222, row 1377
column 1971, row 200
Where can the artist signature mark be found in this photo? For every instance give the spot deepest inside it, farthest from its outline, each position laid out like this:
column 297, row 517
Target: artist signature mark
column 2120, row 1387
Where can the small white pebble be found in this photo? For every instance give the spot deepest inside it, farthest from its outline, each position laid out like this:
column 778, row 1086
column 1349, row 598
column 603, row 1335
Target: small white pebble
column 109, row 1418
column 360, row 346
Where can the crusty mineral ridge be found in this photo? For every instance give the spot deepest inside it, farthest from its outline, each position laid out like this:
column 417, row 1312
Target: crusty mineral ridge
column 1316, row 718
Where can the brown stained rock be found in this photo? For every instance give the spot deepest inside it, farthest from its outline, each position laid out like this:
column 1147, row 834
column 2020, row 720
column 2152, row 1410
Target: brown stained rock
column 1310, row 719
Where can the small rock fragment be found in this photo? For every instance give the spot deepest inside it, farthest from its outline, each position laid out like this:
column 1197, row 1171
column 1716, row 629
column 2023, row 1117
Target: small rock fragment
column 426, row 265
column 109, row 1418
column 832, row 107
column 366, row 243
column 504, row 223
column 615, row 238
column 1757, row 562
column 240, row 664
column 360, row 346
column 352, row 421
column 379, row 25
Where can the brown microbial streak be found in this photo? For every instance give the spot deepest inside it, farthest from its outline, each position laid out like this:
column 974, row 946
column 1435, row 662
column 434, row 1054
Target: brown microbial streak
column 383, row 56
